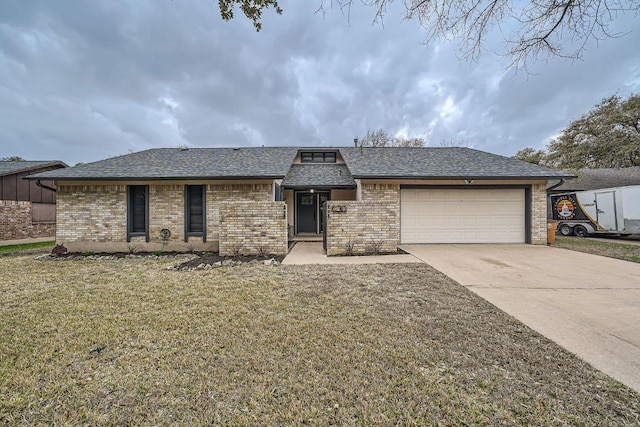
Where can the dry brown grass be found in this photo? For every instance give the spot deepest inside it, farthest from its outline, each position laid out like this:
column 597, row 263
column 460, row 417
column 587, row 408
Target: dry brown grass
column 287, row 345
column 612, row 249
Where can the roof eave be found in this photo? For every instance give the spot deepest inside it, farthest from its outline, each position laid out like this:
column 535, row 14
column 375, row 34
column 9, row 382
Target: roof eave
column 44, row 165
column 147, row 178
column 318, row 187
column 442, row 178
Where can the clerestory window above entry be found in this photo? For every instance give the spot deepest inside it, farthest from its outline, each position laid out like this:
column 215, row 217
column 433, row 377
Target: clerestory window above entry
column 318, row 156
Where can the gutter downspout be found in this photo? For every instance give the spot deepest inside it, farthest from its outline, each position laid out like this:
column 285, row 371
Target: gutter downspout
column 553, row 187
column 46, row 187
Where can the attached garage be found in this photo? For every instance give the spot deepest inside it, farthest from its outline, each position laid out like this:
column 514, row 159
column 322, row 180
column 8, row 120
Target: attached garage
column 453, row 215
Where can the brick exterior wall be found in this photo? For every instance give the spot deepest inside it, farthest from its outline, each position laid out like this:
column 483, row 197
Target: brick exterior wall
column 222, row 193
column 389, row 193
column 539, row 214
column 91, row 213
column 369, row 225
column 16, row 222
column 251, row 221
column 94, row 217
column 249, row 227
column 357, row 227
column 166, row 210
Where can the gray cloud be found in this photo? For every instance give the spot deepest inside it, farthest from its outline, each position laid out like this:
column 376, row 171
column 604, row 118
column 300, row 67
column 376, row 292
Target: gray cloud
column 82, row 81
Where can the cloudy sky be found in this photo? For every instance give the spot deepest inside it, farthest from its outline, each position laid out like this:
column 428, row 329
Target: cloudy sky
column 85, row 80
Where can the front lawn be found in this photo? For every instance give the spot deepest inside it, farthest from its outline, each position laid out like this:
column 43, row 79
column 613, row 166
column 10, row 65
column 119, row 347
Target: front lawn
column 612, row 249
column 126, row 342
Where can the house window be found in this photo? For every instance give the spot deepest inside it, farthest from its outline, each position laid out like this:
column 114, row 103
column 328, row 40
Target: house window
column 277, row 193
column 138, row 211
column 318, row 157
column 195, row 211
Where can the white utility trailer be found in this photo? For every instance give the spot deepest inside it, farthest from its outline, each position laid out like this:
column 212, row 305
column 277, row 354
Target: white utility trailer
column 604, row 211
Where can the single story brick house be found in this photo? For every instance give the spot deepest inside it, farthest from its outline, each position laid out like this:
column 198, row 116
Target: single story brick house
column 27, row 210
column 254, row 200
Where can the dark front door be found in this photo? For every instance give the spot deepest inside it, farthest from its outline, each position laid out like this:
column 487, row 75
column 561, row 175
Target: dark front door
column 307, row 212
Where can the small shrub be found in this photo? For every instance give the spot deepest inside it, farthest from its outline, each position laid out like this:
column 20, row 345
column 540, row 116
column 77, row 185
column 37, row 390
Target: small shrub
column 235, row 250
column 375, row 246
column 349, row 249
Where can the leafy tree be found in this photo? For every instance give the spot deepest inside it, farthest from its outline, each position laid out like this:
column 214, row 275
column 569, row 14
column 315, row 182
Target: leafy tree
column 531, row 155
column 12, row 159
column 252, row 9
column 380, row 138
column 541, row 27
column 608, row 136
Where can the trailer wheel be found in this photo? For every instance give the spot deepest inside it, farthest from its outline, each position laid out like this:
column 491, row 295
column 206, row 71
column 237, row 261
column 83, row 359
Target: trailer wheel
column 580, row 231
column 565, row 230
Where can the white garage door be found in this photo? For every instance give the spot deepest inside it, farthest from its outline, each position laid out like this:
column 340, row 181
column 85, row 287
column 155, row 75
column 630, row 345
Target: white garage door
column 462, row 216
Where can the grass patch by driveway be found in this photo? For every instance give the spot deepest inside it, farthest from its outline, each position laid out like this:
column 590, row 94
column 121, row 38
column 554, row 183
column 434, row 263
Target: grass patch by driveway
column 10, row 249
column 286, row 345
column 597, row 247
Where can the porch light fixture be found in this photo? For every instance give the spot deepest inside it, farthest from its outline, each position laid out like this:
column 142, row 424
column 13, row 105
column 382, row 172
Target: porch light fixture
column 468, row 181
column 311, row 191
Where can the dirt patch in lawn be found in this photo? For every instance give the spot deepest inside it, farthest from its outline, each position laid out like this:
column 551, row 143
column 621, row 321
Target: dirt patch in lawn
column 319, row 345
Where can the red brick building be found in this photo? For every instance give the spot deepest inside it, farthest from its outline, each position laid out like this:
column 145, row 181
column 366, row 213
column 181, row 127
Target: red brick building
column 27, row 208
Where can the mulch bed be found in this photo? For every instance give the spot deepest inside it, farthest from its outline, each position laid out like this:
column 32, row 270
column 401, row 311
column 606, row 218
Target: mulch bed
column 214, row 259
column 194, row 261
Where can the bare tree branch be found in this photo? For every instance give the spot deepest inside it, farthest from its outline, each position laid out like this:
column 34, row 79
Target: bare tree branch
column 544, row 28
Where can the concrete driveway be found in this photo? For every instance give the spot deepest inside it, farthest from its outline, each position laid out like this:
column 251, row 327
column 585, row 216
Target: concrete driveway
column 588, row 304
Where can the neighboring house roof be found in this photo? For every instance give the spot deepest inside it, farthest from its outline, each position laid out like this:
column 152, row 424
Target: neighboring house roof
column 192, row 163
column 319, row 175
column 439, row 163
column 276, row 162
column 10, row 168
column 594, row 179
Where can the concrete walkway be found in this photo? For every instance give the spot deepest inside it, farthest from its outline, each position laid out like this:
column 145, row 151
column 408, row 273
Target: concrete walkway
column 26, row 241
column 588, row 304
column 312, row 253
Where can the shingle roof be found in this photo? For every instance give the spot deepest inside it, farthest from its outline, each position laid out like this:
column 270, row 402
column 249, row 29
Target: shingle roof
column 9, row 168
column 594, row 179
column 192, row 163
column 439, row 163
column 319, row 175
column 275, row 162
